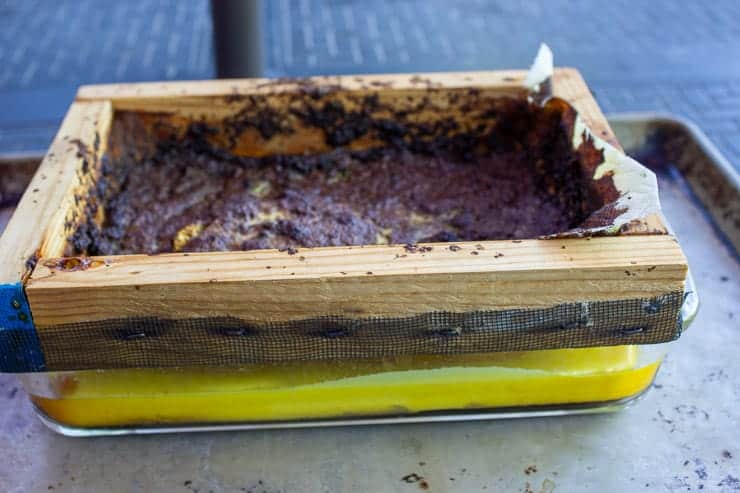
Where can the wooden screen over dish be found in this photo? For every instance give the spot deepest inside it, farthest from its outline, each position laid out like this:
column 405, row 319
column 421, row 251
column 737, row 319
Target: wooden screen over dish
column 270, row 287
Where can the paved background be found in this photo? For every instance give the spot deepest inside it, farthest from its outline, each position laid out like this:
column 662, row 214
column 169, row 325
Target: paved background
column 636, row 55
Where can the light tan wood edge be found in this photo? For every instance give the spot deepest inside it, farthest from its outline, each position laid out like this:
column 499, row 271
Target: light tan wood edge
column 268, row 285
column 138, row 95
column 37, row 226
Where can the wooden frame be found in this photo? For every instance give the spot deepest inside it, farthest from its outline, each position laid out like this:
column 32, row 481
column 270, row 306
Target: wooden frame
column 268, row 286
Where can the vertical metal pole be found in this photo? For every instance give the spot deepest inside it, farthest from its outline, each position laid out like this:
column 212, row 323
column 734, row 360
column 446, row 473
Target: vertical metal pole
column 237, row 37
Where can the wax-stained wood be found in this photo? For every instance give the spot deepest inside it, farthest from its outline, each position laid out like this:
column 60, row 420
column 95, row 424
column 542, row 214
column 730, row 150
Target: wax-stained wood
column 216, row 98
column 569, row 85
column 276, row 123
column 49, row 210
column 38, row 224
column 268, row 285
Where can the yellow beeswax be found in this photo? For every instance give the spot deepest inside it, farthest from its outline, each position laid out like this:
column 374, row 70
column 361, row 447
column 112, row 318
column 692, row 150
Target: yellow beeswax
column 337, row 389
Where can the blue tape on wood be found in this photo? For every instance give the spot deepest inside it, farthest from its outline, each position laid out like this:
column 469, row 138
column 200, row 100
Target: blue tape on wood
column 20, row 349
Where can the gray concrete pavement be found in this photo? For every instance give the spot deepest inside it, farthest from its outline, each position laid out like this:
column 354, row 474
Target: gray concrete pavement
column 680, row 57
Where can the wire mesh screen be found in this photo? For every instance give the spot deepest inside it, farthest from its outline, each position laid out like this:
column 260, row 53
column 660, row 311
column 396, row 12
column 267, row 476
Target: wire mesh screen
column 149, row 342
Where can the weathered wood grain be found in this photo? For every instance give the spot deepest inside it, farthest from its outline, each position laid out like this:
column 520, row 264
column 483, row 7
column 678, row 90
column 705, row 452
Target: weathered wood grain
column 38, row 224
column 268, row 285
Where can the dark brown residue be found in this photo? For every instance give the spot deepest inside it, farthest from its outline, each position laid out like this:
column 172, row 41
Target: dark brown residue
column 412, row 478
column 167, row 186
column 32, row 261
column 71, row 264
column 411, row 248
column 82, row 149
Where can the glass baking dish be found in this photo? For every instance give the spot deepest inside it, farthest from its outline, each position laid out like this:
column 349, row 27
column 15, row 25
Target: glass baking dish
column 328, row 393
column 420, row 388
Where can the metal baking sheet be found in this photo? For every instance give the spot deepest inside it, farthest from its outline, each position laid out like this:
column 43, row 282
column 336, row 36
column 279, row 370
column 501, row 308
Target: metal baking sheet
column 684, row 434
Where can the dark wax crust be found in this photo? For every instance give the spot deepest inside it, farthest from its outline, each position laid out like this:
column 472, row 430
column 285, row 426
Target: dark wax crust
column 519, row 179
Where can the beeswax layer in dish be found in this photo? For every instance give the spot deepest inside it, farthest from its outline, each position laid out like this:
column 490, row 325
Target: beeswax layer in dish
column 398, row 386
